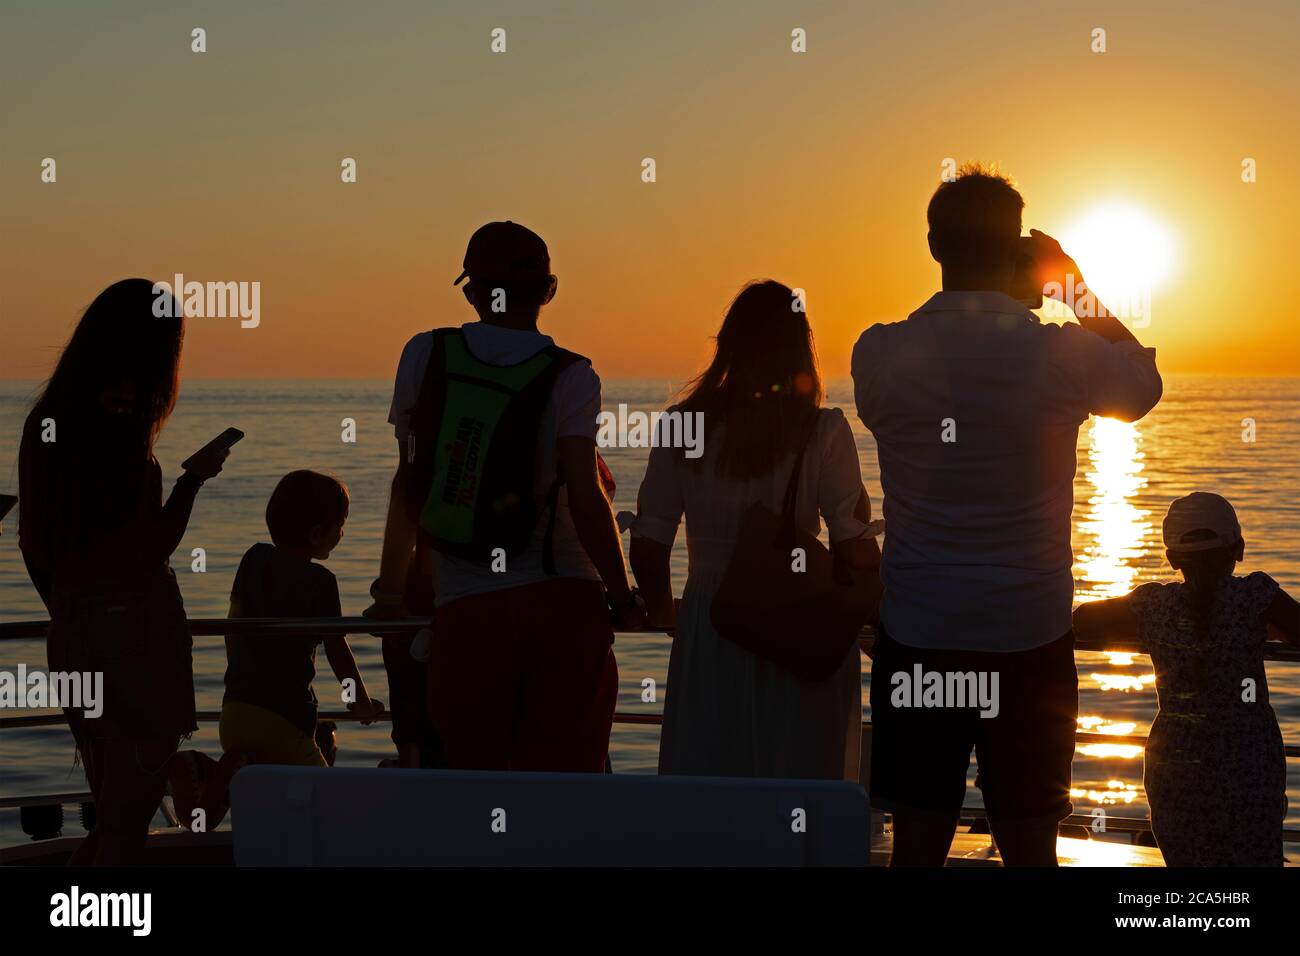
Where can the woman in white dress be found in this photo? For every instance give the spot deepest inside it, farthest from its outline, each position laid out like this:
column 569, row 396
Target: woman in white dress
column 727, row 711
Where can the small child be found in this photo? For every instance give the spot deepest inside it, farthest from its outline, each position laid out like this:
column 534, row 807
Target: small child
column 1215, row 770
column 269, row 711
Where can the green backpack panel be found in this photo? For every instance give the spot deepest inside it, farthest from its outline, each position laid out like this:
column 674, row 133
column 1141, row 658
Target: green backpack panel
column 473, row 449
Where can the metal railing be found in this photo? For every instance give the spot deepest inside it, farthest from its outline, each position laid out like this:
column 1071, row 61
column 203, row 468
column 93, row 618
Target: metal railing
column 296, row 627
column 272, row 627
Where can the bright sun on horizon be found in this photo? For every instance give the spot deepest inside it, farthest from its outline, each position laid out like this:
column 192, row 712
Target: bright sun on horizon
column 1124, row 252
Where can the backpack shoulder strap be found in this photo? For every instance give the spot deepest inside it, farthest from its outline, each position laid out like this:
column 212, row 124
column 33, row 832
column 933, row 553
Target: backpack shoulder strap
column 563, row 359
column 424, row 416
column 437, row 364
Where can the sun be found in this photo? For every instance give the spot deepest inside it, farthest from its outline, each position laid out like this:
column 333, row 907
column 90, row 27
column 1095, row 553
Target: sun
column 1124, row 252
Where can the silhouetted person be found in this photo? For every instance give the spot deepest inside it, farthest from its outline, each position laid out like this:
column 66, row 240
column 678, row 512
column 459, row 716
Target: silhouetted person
column 268, row 713
column 407, row 668
column 496, row 430
column 730, row 712
column 1214, row 762
column 96, row 537
column 975, row 407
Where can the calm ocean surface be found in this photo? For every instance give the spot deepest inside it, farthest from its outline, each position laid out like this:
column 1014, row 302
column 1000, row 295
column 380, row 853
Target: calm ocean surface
column 1126, row 477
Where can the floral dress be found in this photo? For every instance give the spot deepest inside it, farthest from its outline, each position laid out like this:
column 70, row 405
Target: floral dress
column 1215, row 771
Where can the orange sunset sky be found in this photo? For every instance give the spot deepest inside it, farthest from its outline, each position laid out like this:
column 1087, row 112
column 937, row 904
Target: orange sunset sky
column 812, row 168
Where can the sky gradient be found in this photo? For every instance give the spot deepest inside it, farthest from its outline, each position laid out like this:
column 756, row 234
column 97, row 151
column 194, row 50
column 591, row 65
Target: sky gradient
column 813, row 169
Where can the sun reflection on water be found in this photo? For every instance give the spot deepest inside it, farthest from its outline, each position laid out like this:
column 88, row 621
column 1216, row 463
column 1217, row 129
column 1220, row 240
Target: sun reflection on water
column 1112, row 533
column 1114, row 528
column 1124, row 682
column 1110, row 751
column 1100, row 725
column 1116, row 791
column 1112, row 728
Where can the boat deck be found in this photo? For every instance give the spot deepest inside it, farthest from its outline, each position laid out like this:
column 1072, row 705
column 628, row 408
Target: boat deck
column 976, row 849
column 176, row 847
column 182, row 848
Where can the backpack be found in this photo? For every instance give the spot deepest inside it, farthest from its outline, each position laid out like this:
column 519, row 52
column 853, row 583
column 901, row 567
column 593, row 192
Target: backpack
column 472, row 450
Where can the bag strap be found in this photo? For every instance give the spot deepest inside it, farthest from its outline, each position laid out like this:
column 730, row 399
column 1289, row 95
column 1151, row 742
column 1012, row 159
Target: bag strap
column 792, row 486
column 563, row 359
column 424, row 417
column 436, row 368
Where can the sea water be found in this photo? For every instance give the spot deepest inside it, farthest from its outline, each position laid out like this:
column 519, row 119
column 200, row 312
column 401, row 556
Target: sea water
column 1199, row 437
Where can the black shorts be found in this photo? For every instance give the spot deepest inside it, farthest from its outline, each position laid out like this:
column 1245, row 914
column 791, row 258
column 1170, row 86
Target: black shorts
column 920, row 754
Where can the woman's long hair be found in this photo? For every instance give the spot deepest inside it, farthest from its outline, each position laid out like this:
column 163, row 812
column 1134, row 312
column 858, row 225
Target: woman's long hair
column 762, row 384
column 121, row 346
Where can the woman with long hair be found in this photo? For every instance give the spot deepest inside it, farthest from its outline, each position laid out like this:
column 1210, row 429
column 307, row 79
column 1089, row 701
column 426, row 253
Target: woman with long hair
column 96, row 537
column 728, row 711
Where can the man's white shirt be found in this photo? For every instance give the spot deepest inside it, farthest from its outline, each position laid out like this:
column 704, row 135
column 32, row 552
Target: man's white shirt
column 975, row 406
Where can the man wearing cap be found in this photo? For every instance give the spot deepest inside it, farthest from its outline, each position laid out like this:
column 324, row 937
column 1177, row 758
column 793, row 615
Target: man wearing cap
column 521, row 669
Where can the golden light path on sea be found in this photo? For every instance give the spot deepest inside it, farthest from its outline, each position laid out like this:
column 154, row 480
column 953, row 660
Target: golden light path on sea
column 1114, row 526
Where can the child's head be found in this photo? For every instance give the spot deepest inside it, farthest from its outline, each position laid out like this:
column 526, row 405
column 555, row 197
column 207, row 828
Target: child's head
column 1202, row 536
column 306, row 513
column 509, row 272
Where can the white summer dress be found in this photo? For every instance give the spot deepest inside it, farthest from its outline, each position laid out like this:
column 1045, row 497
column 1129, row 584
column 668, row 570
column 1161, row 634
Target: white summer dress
column 726, row 711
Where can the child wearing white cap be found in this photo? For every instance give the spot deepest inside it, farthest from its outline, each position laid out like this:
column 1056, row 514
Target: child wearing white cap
column 1215, row 771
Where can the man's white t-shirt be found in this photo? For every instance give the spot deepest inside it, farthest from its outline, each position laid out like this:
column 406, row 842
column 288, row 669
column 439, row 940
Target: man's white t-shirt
column 572, row 411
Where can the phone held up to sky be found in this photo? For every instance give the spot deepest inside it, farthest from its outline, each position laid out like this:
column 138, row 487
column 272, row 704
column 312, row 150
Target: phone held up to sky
column 1025, row 285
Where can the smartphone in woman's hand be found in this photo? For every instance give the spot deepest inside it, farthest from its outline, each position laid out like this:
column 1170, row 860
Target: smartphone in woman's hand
column 207, row 461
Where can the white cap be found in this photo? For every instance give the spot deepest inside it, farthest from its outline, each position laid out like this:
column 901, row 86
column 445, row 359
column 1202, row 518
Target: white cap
column 1194, row 515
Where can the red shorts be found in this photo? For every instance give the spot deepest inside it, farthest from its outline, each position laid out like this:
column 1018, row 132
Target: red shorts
column 525, row 678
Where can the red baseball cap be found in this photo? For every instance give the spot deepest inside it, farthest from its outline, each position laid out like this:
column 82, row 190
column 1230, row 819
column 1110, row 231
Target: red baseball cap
column 505, row 250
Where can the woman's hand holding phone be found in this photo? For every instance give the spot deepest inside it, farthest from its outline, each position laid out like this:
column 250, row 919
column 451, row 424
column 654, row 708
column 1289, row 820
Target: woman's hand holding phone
column 207, row 463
